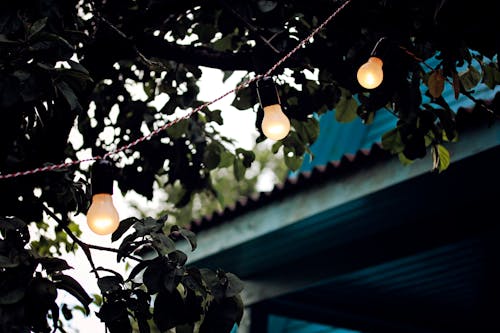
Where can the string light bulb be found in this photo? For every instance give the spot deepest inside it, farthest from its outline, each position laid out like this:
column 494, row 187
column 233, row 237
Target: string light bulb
column 102, row 216
column 370, row 74
column 275, row 124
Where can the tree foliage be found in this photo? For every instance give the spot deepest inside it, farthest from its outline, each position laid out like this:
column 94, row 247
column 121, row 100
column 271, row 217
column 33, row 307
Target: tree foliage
column 67, row 62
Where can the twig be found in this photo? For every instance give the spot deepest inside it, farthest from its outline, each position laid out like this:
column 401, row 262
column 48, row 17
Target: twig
column 250, row 26
column 85, row 246
column 142, row 57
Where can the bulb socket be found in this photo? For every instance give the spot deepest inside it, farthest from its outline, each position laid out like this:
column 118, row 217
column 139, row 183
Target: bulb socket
column 267, row 92
column 102, row 177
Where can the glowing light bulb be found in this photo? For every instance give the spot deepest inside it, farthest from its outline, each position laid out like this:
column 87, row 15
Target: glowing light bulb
column 102, row 216
column 370, row 75
column 275, row 124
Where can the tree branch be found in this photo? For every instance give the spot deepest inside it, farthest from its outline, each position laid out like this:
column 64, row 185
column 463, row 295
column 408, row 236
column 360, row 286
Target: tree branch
column 85, row 246
column 250, row 26
column 201, row 56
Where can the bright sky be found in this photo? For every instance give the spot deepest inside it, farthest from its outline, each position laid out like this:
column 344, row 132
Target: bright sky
column 239, row 125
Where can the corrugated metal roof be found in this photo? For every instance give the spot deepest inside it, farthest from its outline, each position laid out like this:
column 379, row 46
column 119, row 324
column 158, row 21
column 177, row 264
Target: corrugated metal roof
column 319, row 174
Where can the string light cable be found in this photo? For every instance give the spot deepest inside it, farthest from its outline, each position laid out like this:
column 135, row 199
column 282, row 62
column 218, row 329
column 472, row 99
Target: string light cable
column 154, row 133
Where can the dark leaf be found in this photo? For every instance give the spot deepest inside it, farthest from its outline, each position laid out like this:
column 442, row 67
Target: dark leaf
column 239, row 169
column 234, row 286
column 52, row 265
column 470, row 78
column 6, row 262
column 147, row 226
column 436, row 83
column 456, row 85
column 102, row 269
column 123, row 227
column 138, row 268
column 162, row 243
column 109, row 283
column 169, row 310
column 392, row 141
column 222, row 316
column 72, row 286
column 11, row 223
column 115, row 315
column 266, row 5
column 187, row 328
column 36, row 27
column 215, row 116
column 346, row 110
column 12, row 296
column 190, row 237
column 154, row 274
column 54, row 308
column 69, row 95
column 247, row 156
column 143, row 325
column 211, row 158
column 67, row 314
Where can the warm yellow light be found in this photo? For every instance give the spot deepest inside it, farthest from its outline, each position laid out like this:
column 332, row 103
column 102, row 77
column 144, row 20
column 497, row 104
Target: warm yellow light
column 275, row 124
column 102, row 216
column 370, row 75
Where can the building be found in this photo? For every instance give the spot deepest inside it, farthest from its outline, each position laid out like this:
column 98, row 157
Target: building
column 357, row 242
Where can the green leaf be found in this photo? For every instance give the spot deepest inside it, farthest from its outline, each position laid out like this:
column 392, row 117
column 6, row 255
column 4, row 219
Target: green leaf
column 211, row 157
column 179, row 129
column 346, row 110
column 72, row 286
column 441, row 157
column 470, row 78
column 292, row 160
column 52, row 265
column 239, row 169
column 226, row 159
column 404, row 160
column 36, row 27
column 436, row 83
column 276, row 146
column 392, row 141
column 248, row 156
column 123, row 227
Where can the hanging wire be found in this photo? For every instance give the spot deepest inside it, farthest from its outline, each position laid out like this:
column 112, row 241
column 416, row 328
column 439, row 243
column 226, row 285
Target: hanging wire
column 244, row 84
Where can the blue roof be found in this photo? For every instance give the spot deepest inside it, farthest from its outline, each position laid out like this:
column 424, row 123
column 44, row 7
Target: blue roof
column 337, row 139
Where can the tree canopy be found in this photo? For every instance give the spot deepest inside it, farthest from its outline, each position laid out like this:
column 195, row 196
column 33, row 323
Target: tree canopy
column 70, row 64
